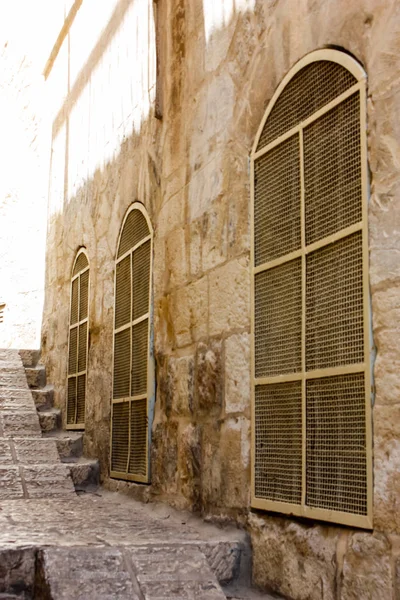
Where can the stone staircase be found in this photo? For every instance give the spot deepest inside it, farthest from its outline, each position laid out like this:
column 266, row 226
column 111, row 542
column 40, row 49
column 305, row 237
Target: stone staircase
column 85, row 472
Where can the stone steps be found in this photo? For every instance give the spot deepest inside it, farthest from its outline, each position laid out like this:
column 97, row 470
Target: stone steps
column 141, row 573
column 69, row 443
column 36, row 376
column 43, row 397
column 49, row 419
column 84, row 471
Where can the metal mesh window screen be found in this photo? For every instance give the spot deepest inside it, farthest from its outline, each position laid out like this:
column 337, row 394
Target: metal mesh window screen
column 78, row 343
column 277, row 316
column 309, row 90
column 131, row 345
column 336, row 443
column 311, row 380
column 138, row 446
column 80, row 264
column 277, row 211
column 278, row 442
column 332, row 170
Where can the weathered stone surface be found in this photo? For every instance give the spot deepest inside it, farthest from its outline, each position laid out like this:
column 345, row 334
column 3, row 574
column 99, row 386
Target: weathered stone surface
column 231, row 281
column 84, row 573
column 367, row 571
column 20, row 424
column 10, row 483
column 17, row 572
column 189, row 312
column 294, row 560
column 208, row 377
column 43, row 398
column 36, row 451
column 68, row 444
column 36, row 376
column 49, row 419
column 5, row 452
column 47, row 481
column 85, row 472
column 237, row 373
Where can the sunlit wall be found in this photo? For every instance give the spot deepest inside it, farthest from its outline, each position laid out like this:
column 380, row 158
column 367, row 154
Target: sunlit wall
column 25, row 40
column 101, row 86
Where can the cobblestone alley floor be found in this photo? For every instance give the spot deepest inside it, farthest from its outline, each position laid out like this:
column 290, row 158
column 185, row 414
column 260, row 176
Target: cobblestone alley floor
column 55, row 544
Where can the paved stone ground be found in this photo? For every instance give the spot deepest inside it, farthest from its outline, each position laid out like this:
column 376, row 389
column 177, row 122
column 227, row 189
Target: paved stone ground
column 56, row 545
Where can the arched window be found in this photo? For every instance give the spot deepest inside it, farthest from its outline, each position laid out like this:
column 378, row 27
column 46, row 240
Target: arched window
column 78, row 342
column 310, row 320
column 133, row 381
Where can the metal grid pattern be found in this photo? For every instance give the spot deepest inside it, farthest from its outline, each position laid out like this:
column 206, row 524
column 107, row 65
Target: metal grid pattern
column 81, row 399
column 138, row 445
column 71, row 400
column 335, row 304
column 83, row 295
column 74, row 301
column 332, row 170
column 120, row 437
column 135, row 229
column 310, row 89
column 336, row 444
column 123, row 292
column 310, row 323
column 277, row 194
column 78, row 343
column 131, row 343
column 73, row 350
column 278, row 442
column 141, row 280
column 82, row 347
column 140, row 336
column 122, row 360
column 80, row 264
column 277, row 317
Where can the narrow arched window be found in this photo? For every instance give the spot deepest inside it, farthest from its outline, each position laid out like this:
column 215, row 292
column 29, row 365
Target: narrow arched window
column 310, row 319
column 133, row 381
column 78, row 342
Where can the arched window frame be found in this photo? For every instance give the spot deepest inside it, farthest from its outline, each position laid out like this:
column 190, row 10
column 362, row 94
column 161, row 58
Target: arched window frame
column 78, row 324
column 302, row 510
column 150, row 394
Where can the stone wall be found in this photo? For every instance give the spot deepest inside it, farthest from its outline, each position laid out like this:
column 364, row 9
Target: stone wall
column 221, row 63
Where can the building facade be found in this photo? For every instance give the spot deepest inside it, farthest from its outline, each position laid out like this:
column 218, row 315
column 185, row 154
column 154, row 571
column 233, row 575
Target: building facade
column 222, row 286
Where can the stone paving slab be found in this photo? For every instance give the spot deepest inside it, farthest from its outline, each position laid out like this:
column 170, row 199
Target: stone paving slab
column 10, row 483
column 35, row 451
column 47, row 481
column 20, row 424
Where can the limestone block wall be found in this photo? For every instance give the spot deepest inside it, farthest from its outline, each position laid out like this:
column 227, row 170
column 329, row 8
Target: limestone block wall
column 219, row 66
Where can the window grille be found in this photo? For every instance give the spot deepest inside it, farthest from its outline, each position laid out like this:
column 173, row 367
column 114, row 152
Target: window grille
column 2, row 307
column 78, row 343
column 133, row 379
column 311, row 392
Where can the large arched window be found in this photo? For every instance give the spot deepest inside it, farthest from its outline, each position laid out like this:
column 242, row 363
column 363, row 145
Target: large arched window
column 133, row 381
column 310, row 320
column 78, row 342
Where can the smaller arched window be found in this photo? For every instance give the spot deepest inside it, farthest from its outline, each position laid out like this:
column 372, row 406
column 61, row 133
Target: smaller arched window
column 78, row 342
column 133, row 379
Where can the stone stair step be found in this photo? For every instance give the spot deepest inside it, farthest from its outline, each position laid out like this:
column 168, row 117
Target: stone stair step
column 49, row 419
column 30, row 358
column 69, row 443
column 142, row 573
column 43, row 397
column 84, row 471
column 36, row 376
